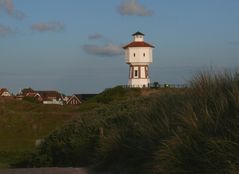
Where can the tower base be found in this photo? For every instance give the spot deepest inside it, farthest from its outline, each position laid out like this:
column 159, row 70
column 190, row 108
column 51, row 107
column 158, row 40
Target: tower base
column 139, row 83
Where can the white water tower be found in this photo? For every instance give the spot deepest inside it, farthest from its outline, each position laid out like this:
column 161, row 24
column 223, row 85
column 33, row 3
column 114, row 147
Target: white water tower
column 138, row 54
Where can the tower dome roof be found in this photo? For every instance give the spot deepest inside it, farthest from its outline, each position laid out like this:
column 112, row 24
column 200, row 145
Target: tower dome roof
column 138, row 33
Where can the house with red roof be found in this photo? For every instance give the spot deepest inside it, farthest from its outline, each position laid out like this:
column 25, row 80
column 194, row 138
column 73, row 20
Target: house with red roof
column 77, row 99
column 45, row 97
column 50, row 97
column 4, row 93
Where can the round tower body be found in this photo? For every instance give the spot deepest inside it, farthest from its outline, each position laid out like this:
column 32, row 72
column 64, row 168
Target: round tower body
column 138, row 54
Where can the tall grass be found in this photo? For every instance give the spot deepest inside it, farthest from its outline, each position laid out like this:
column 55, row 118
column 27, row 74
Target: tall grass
column 208, row 140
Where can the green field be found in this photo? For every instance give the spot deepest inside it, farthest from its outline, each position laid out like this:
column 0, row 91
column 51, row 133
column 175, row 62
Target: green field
column 22, row 124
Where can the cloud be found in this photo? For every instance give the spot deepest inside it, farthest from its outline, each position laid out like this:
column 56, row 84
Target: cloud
column 4, row 30
column 8, row 7
column 108, row 50
column 133, row 8
column 95, row 36
column 48, row 26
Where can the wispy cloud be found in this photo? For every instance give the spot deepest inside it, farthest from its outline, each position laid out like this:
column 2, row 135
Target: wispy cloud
column 133, row 8
column 48, row 26
column 95, row 36
column 108, row 50
column 8, row 7
column 4, row 31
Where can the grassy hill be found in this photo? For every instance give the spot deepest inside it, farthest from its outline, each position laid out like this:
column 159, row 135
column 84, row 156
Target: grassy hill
column 104, row 127
column 135, row 131
column 22, row 124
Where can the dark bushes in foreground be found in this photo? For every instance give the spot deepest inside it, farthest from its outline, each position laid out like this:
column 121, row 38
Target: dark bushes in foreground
column 196, row 131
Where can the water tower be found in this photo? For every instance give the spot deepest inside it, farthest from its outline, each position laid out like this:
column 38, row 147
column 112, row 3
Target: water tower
column 138, row 55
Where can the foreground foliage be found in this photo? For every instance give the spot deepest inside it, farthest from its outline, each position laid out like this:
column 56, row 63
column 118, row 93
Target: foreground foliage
column 174, row 131
column 23, row 124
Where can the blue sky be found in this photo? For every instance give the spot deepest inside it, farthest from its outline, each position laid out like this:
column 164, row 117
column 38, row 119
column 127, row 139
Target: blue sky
column 74, row 46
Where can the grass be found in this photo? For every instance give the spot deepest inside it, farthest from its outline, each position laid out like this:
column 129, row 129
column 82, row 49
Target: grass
column 194, row 130
column 23, row 123
column 115, row 135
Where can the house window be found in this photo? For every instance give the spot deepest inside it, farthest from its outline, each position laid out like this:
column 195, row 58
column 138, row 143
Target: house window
column 136, row 73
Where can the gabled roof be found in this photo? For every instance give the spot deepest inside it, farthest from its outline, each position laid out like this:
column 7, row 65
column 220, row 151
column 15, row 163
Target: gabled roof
column 72, row 97
column 138, row 44
column 80, row 98
column 2, row 90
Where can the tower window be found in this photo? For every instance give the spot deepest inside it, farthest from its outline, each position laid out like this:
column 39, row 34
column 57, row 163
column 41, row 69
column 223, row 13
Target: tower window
column 134, row 54
column 144, row 54
column 135, row 73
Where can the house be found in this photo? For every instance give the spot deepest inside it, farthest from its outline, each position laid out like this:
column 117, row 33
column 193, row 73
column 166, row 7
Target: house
column 74, row 100
column 45, row 97
column 4, row 93
column 35, row 96
column 50, row 97
column 24, row 93
column 77, row 99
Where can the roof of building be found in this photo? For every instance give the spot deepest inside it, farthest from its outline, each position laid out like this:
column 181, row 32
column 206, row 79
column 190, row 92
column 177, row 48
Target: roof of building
column 138, row 33
column 2, row 90
column 32, row 94
column 138, row 44
column 48, row 95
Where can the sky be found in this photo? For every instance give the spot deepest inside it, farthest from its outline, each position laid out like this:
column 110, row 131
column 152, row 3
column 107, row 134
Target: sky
column 75, row 46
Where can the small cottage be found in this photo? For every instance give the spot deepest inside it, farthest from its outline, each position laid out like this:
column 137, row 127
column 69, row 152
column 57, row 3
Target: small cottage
column 77, row 99
column 4, row 93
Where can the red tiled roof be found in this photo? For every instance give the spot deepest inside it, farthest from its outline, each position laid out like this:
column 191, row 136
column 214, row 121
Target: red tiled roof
column 138, row 44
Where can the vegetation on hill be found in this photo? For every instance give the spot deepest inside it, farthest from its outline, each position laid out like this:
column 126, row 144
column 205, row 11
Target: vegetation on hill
column 169, row 131
column 23, row 124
